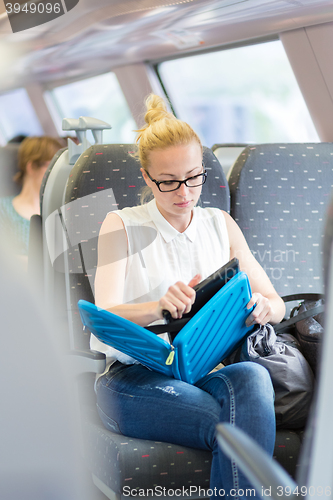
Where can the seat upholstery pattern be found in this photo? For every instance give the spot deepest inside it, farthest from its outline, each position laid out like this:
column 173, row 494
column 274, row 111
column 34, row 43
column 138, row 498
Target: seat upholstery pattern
column 121, row 461
column 328, row 242
column 141, row 464
column 279, row 196
column 287, row 449
column 115, row 166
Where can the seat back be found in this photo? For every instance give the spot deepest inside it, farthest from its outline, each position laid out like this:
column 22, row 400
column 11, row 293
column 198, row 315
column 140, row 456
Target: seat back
column 51, row 198
column 8, row 168
column 279, row 197
column 315, row 470
column 40, row 267
column 106, row 178
column 46, row 233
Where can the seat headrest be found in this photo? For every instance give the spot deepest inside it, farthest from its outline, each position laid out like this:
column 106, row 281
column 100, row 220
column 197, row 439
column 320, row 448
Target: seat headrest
column 114, row 166
column 279, row 196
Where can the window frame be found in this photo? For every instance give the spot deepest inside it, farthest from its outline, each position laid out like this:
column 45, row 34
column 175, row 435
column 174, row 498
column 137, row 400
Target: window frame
column 155, row 63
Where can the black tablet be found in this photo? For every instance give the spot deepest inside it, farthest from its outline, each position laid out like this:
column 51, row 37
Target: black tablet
column 207, row 288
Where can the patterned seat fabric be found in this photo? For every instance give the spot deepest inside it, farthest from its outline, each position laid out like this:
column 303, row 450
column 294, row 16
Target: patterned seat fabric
column 328, row 242
column 126, row 463
column 120, row 461
column 279, row 196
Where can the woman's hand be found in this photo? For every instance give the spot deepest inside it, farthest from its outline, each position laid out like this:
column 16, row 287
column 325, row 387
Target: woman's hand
column 179, row 298
column 263, row 311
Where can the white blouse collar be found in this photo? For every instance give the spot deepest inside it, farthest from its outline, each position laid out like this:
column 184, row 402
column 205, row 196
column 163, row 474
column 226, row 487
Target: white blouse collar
column 167, row 231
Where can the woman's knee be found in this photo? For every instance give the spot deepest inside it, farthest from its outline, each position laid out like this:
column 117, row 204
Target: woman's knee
column 257, row 393
column 250, row 375
column 244, row 382
column 259, row 379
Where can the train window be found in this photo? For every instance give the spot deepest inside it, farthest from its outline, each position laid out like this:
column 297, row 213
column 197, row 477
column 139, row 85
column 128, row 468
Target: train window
column 100, row 97
column 246, row 94
column 17, row 115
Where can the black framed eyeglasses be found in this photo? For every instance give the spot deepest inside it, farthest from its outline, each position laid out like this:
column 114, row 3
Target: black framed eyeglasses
column 167, row 186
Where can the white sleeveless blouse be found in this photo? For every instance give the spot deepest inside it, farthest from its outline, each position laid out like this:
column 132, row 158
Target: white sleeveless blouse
column 159, row 256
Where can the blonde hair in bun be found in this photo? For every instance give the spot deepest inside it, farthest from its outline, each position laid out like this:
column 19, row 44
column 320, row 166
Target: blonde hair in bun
column 162, row 130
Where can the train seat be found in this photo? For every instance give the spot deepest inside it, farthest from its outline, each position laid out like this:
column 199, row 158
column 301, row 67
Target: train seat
column 279, row 195
column 45, row 236
column 107, row 177
column 8, row 168
column 40, row 266
column 227, row 154
column 314, row 475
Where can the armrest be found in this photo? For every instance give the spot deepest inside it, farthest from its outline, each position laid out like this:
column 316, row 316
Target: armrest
column 86, row 361
column 263, row 472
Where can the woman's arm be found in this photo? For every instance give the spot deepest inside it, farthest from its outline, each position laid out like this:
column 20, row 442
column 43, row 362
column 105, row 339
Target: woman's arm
column 110, row 280
column 270, row 308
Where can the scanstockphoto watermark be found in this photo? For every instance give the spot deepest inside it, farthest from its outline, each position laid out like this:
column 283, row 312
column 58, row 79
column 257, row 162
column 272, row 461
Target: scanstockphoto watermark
column 23, row 14
column 197, row 491
column 184, row 492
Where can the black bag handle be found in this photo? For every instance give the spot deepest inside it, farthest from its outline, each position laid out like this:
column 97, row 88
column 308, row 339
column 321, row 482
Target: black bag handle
column 179, row 324
column 169, row 327
column 303, row 296
column 305, row 314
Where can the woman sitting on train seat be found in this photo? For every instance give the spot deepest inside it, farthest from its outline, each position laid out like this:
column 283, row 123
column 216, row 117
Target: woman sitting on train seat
column 34, row 156
column 191, row 243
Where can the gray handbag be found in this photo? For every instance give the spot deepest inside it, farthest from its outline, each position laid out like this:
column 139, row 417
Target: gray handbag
column 306, row 324
column 291, row 375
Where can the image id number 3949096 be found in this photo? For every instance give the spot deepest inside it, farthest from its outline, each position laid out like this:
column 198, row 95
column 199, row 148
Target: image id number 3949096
column 33, row 8
column 303, row 491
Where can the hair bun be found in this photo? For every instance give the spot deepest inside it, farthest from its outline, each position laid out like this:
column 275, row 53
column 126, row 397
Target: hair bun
column 156, row 109
column 161, row 130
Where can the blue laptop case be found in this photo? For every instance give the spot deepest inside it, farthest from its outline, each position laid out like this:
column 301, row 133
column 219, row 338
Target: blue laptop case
column 209, row 337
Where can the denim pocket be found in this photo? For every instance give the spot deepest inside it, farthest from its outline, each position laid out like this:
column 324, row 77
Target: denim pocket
column 114, row 370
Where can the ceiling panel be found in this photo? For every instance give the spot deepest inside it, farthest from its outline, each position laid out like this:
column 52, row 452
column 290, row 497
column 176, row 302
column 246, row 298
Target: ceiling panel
column 90, row 39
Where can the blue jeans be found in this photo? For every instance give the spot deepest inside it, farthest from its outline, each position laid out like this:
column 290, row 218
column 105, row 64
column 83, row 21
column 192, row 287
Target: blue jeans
column 137, row 402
